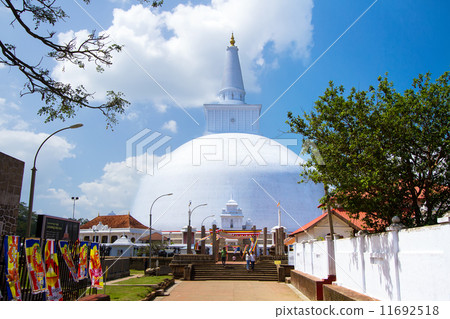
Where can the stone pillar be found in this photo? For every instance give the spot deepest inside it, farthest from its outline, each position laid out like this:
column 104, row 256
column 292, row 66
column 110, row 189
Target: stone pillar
column 394, row 228
column 331, row 257
column 265, row 241
column 281, row 241
column 203, row 242
column 215, row 249
column 362, row 249
column 189, row 240
column 279, row 244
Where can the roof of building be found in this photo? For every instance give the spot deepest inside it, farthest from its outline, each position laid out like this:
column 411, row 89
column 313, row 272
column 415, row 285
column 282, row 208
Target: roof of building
column 115, row 221
column 289, row 241
column 156, row 237
column 338, row 212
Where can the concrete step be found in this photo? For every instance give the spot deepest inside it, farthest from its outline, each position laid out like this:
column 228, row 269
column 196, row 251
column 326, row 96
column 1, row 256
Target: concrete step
column 262, row 272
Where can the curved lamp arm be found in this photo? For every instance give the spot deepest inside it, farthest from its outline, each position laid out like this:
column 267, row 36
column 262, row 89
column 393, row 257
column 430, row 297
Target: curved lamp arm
column 33, row 175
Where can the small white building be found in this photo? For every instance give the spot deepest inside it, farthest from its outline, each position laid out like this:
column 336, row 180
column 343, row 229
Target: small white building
column 319, row 227
column 122, row 247
column 232, row 217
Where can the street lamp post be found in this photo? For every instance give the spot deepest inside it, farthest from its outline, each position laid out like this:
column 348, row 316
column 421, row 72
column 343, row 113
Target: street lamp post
column 203, row 244
column 206, row 218
column 74, row 199
column 33, row 176
column 189, row 238
column 150, row 231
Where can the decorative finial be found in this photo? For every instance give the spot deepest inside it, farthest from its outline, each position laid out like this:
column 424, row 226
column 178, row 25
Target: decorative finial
column 232, row 42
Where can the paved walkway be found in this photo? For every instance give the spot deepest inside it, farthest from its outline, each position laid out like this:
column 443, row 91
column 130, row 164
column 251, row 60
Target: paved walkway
column 224, row 290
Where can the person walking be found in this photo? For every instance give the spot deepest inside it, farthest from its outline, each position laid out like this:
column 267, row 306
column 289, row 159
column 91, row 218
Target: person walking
column 223, row 254
column 252, row 260
column 247, row 259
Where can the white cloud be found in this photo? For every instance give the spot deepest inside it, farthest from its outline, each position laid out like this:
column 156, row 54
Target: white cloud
column 183, row 49
column 161, row 108
column 113, row 191
column 9, row 117
column 170, row 126
column 24, row 144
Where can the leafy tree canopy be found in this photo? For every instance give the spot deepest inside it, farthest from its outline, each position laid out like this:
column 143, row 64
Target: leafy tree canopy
column 22, row 220
column 384, row 153
column 61, row 100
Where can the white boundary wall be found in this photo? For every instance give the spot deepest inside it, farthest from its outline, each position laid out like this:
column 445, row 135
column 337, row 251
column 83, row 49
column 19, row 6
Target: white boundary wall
column 409, row 264
column 311, row 257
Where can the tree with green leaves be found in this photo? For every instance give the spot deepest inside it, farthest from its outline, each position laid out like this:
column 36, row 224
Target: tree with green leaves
column 81, row 220
column 383, row 153
column 61, row 100
column 22, row 220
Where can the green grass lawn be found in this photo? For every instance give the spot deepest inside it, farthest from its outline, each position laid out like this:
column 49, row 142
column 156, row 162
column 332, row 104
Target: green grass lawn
column 128, row 293
column 136, row 272
column 147, row 280
column 118, row 293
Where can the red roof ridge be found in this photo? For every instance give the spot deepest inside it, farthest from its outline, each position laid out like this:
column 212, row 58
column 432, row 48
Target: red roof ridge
column 115, row 221
column 338, row 212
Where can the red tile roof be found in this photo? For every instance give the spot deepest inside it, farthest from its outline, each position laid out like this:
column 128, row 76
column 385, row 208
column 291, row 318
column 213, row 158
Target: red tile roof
column 289, row 241
column 156, row 237
column 338, row 212
column 115, row 221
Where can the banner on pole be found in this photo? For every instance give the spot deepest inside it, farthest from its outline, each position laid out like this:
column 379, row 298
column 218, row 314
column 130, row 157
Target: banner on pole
column 54, row 292
column 67, row 256
column 11, row 249
column 35, row 265
column 83, row 260
column 95, row 267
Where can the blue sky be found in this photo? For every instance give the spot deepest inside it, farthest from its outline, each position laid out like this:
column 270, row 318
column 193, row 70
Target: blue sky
column 182, row 47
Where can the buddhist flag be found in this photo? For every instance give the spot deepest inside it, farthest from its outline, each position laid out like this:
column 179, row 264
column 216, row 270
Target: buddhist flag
column 11, row 249
column 95, row 267
column 83, row 260
column 35, row 265
column 65, row 251
column 52, row 272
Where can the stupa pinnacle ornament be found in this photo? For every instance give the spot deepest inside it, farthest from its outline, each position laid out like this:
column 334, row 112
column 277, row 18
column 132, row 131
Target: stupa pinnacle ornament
column 231, row 114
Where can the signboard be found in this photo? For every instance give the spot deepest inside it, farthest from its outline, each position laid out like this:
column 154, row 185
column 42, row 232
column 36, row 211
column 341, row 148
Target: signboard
column 57, row 228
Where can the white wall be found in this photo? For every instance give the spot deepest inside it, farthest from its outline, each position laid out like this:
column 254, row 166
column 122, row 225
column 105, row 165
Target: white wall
column 411, row 264
column 312, row 257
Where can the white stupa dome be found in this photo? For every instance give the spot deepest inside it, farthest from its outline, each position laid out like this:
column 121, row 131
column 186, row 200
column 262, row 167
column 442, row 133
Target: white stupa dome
column 259, row 172
column 233, row 160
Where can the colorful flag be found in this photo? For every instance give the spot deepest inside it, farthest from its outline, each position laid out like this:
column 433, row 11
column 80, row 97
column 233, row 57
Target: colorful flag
column 83, row 260
column 254, row 241
column 278, row 205
column 245, row 249
column 35, row 265
column 95, row 267
column 52, row 272
column 11, row 247
column 65, row 251
column 252, row 245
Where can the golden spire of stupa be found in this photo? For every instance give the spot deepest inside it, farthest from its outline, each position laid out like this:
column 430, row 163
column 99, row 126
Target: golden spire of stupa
column 232, row 42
